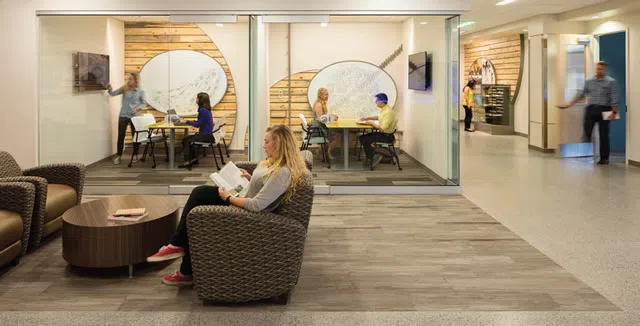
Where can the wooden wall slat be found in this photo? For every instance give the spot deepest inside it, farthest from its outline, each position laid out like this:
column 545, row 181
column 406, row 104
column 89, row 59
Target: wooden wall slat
column 504, row 54
column 160, row 30
column 143, row 41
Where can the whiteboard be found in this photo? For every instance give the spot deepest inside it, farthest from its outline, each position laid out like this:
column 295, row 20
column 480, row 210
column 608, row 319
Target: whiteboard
column 173, row 79
column 352, row 86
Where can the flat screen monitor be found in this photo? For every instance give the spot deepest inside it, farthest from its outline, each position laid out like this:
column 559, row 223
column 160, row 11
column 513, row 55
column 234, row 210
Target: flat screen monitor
column 420, row 71
column 91, row 71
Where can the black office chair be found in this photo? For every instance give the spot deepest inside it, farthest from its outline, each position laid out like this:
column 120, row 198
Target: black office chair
column 314, row 136
column 392, row 153
column 213, row 144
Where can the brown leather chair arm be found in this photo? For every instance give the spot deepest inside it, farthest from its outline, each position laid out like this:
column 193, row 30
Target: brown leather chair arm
column 70, row 174
column 39, row 205
column 18, row 197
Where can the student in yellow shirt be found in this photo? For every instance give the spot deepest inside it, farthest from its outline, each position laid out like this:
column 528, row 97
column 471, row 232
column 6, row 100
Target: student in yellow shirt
column 386, row 125
column 467, row 103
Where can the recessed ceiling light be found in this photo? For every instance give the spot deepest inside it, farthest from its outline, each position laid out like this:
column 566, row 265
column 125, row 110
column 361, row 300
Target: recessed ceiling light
column 219, row 25
column 324, row 24
column 465, row 24
column 505, row 2
column 423, row 23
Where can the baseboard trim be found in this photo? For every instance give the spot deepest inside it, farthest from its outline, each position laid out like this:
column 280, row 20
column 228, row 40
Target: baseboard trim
column 521, row 134
column 542, row 150
column 440, row 179
column 394, row 190
column 318, row 189
column 634, row 163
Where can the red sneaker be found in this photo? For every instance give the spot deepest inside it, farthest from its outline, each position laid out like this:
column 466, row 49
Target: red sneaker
column 178, row 279
column 166, row 253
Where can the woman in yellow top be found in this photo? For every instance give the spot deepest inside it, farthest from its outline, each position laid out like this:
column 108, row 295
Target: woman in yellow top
column 467, row 103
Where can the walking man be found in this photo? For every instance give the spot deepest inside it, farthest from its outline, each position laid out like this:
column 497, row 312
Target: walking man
column 603, row 97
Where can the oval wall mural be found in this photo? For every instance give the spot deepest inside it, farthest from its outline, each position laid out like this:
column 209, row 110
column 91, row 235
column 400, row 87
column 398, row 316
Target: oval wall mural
column 145, row 41
column 352, row 86
column 482, row 70
column 172, row 80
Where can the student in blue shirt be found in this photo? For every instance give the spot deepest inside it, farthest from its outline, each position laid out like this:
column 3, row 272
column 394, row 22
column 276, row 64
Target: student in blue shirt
column 133, row 102
column 205, row 130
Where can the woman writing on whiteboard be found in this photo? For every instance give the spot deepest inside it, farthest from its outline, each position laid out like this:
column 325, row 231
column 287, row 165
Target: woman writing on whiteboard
column 133, row 102
column 467, row 103
column 321, row 115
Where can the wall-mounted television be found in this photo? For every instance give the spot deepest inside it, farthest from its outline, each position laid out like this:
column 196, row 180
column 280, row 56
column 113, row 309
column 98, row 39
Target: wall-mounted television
column 91, row 71
column 420, row 71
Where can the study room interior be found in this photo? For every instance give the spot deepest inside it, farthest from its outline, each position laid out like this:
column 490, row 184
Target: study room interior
column 318, row 75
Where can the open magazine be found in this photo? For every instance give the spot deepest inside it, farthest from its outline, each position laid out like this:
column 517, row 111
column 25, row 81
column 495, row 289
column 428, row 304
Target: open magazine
column 231, row 179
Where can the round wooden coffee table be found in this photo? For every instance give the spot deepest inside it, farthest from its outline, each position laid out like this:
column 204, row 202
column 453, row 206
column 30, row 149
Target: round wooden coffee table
column 91, row 240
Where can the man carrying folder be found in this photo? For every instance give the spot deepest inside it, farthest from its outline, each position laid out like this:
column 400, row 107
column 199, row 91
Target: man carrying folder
column 603, row 97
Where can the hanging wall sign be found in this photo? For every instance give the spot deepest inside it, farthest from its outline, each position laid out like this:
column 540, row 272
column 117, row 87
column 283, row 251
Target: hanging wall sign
column 482, row 71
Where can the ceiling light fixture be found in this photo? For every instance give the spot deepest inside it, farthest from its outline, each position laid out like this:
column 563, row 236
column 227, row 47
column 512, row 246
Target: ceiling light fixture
column 595, row 17
column 505, row 2
column 423, row 23
column 219, row 25
column 324, row 24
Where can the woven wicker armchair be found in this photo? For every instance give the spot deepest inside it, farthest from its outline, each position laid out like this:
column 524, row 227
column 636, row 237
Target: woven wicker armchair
column 58, row 188
column 16, row 210
column 242, row 256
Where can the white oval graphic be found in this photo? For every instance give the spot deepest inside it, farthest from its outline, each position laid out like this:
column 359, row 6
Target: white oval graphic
column 352, row 86
column 173, row 79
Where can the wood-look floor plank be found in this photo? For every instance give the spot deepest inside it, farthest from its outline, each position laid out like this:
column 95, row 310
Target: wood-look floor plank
column 363, row 253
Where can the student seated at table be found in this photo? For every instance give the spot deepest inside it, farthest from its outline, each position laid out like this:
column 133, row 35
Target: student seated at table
column 272, row 183
column 386, row 125
column 321, row 115
column 205, row 130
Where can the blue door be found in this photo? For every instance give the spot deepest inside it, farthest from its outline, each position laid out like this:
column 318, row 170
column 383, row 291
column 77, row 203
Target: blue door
column 613, row 50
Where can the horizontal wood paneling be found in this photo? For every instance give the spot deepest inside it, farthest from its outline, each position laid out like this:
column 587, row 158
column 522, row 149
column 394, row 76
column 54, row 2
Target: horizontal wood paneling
column 143, row 41
column 504, row 54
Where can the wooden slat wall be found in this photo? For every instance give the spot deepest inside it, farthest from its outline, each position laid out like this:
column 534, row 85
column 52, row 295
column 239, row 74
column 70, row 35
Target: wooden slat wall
column 504, row 54
column 279, row 101
column 144, row 40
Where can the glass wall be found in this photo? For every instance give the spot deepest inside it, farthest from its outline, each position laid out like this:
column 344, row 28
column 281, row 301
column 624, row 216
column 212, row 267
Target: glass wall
column 86, row 63
column 374, row 98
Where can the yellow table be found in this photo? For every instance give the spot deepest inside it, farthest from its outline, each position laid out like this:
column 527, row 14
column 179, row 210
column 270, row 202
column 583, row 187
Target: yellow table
column 346, row 125
column 172, row 137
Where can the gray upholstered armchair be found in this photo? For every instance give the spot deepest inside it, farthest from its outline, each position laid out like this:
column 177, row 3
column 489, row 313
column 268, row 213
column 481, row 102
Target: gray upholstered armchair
column 241, row 256
column 58, row 188
column 16, row 210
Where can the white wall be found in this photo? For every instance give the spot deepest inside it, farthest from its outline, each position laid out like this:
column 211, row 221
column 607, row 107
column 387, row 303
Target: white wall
column 425, row 114
column 19, row 38
column 521, row 108
column 233, row 42
column 76, row 127
column 315, row 47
